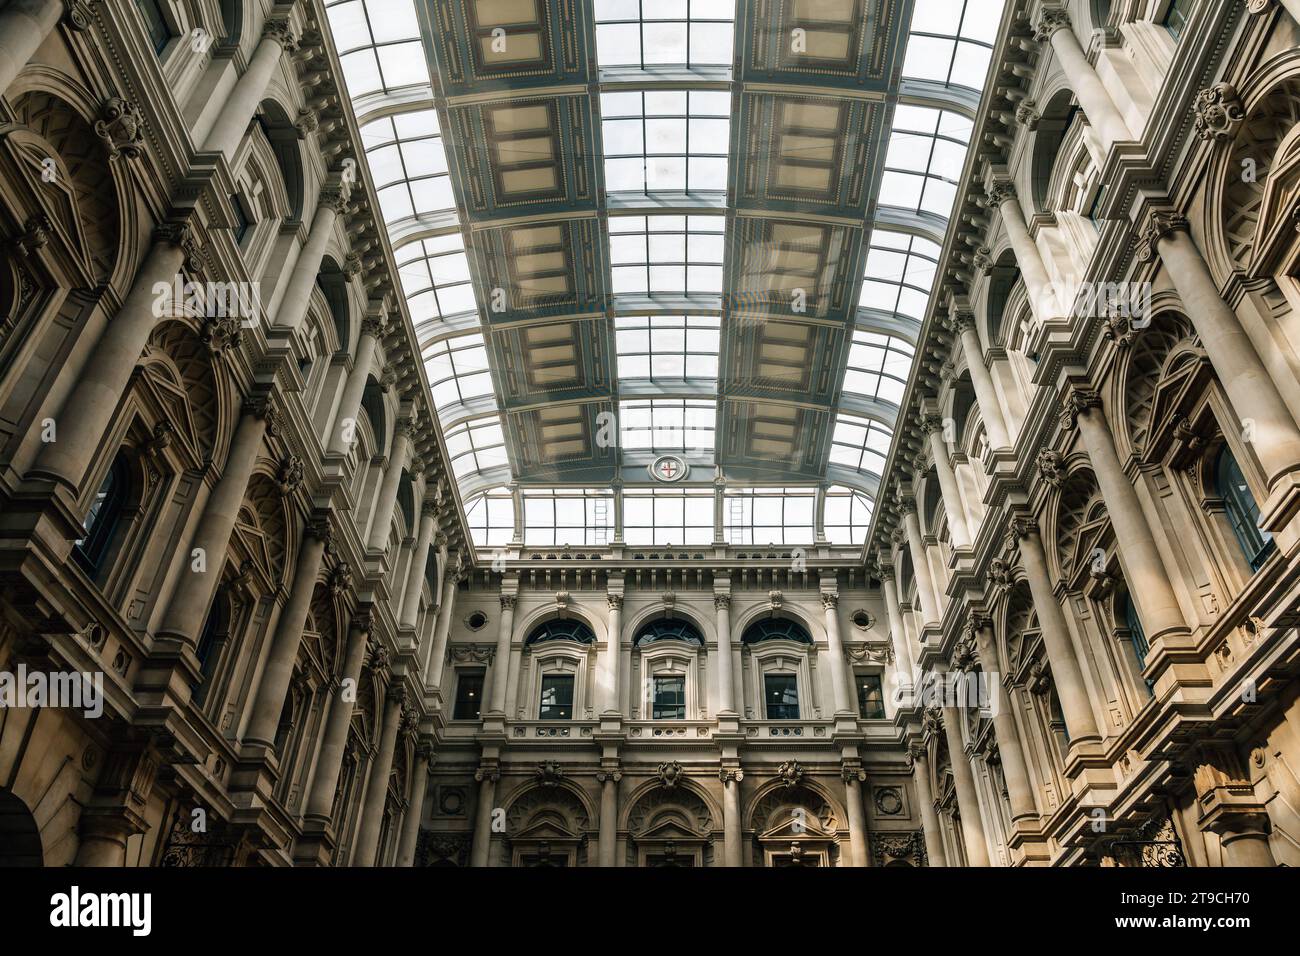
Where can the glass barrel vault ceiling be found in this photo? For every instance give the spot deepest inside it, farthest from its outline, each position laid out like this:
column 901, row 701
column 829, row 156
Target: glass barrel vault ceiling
column 665, row 267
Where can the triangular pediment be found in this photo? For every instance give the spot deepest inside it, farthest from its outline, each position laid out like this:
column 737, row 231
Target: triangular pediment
column 668, row 828
column 548, row 828
column 1277, row 246
column 796, row 827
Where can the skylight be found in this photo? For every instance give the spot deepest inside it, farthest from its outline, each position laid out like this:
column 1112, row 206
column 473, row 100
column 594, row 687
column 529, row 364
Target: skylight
column 666, row 348
column 927, row 149
column 379, row 44
column 476, row 446
column 878, row 366
column 491, row 517
column 435, row 278
column 860, row 444
column 573, row 516
column 847, row 515
column 899, row 274
column 951, row 41
column 667, row 425
column 667, row 255
column 677, row 516
column 665, row 140
column 457, row 368
column 770, row 515
column 650, row 33
column 408, row 165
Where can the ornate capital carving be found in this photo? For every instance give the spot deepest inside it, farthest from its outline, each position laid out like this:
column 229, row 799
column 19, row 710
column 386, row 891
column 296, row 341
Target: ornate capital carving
column 1159, row 224
column 906, row 504
column 850, row 774
column 1019, row 527
column 335, row 198
column 609, row 775
column 259, row 405
column 376, row 656
column 79, row 13
column 775, row 599
column 487, row 774
column 1048, row 21
column 340, row 580
column 722, row 602
column 221, row 333
column 508, row 602
column 288, row 477
column 728, row 776
column 120, row 127
column 1078, row 401
column 1050, row 467
column 179, row 234
column 318, row 527
column 1257, row 7
column 279, row 30
column 1219, row 113
column 1027, row 115
column 615, row 601
column 999, row 191
column 830, row 600
column 351, row 268
column 931, row 424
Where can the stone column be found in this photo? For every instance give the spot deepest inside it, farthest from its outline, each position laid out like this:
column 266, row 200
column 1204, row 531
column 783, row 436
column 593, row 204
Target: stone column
column 972, row 824
column 190, row 602
column 487, row 777
column 345, row 421
column 288, row 635
column 84, row 417
column 302, row 280
column 437, row 654
column 1001, row 194
column 500, row 663
column 1053, row 25
column 920, row 563
column 242, row 102
column 116, row 809
column 1144, row 569
column 415, row 805
column 372, row 813
column 957, row 527
column 608, row 815
column 853, row 779
column 1230, row 808
column 934, row 852
column 722, row 619
column 397, row 461
column 903, row 662
column 1253, row 395
column 839, row 670
column 24, row 25
column 419, row 560
column 733, row 852
column 1264, row 6
column 986, row 395
column 1066, row 673
column 1020, row 792
column 343, row 698
column 613, row 652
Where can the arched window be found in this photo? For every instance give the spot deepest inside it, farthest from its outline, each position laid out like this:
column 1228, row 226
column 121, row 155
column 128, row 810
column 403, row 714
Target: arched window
column 105, row 513
column 1243, row 513
column 668, row 629
column 775, row 628
column 561, row 630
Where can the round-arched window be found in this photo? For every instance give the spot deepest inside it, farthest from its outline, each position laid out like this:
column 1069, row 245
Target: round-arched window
column 567, row 629
column 669, row 629
column 775, row 628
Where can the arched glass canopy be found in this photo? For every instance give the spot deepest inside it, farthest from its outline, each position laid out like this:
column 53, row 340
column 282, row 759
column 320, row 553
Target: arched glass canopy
column 672, row 249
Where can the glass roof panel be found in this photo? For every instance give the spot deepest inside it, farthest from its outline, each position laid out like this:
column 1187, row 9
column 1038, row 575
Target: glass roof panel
column 878, row 366
column 435, row 278
column 667, row 516
column 847, row 515
column 458, row 370
column 668, row 255
column 951, row 41
column 860, row 444
column 665, row 348
column 408, row 165
column 379, row 44
column 899, row 274
column 476, row 446
column 667, row 424
column 491, row 517
column 650, row 33
column 572, row 516
column 769, row 515
column 665, row 140
column 923, row 165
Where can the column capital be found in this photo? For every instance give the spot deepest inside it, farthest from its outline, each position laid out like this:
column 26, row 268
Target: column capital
column 488, row 774
column 363, row 618
column 830, row 600
column 930, row 424
column 179, row 233
column 1158, row 224
column 609, row 775
column 998, row 190
column 334, row 197
column 1049, row 20
column 1256, row 7
column 508, row 602
column 729, row 775
column 1077, row 401
column 79, row 13
column 959, row 320
column 853, row 774
column 1019, row 528
column 261, row 405
column 279, row 30
column 318, row 527
column 615, row 601
column 721, row 602
column 1219, row 113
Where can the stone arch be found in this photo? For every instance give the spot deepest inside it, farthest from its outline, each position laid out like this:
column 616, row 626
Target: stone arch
column 1003, row 279
column 933, row 510
column 1233, row 210
column 1141, row 368
column 644, row 804
column 277, row 127
column 815, row 628
column 20, row 837
column 533, row 796
column 209, row 411
column 640, row 618
column 1016, row 617
column 1073, row 518
column 333, row 286
column 264, row 504
column 1056, row 125
column 375, row 411
column 775, row 795
column 83, row 198
column 549, row 612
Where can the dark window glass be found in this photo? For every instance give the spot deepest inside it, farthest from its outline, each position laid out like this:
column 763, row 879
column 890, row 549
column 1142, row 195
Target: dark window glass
column 101, row 521
column 557, row 697
column 1176, row 18
column 669, row 699
column 669, row 629
column 155, row 23
column 1136, row 634
column 773, row 629
column 1242, row 512
column 871, row 699
column 241, row 219
column 469, row 695
column 568, row 629
column 781, row 691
